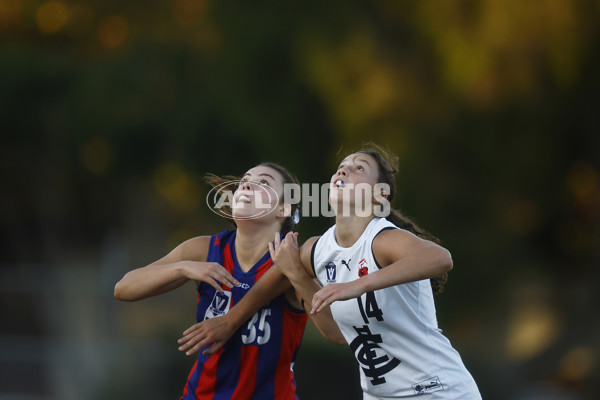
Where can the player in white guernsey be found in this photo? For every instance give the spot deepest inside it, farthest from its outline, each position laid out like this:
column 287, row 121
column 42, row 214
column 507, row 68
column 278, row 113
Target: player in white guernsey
column 392, row 331
column 376, row 279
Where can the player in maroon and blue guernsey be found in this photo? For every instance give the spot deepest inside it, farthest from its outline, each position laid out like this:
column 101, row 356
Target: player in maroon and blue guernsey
column 257, row 361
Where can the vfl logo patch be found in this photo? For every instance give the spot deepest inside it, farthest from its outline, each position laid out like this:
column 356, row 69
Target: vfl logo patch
column 427, row 386
column 219, row 305
column 331, row 271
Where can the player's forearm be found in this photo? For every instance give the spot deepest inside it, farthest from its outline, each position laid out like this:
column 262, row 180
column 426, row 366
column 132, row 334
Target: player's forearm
column 269, row 286
column 428, row 262
column 306, row 287
column 150, row 281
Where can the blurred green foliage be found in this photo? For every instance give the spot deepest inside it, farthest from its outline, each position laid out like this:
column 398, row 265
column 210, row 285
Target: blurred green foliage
column 112, row 112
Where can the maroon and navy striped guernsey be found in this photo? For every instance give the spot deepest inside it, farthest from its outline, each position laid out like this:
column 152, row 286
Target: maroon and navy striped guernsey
column 256, row 363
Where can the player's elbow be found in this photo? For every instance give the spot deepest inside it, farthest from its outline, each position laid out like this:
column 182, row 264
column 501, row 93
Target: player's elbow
column 331, row 333
column 339, row 340
column 335, row 337
column 439, row 259
column 118, row 292
column 121, row 292
column 446, row 261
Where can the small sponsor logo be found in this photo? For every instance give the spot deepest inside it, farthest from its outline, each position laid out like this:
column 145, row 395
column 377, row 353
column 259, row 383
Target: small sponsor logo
column 331, row 271
column 427, row 386
column 347, row 263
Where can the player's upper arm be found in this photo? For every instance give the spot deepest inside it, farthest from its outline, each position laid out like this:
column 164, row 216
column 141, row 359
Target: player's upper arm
column 391, row 245
column 194, row 249
column 306, row 254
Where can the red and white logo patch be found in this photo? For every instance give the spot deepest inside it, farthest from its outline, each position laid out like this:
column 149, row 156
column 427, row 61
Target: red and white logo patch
column 364, row 268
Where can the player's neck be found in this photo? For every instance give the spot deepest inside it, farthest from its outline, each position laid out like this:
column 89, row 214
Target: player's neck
column 252, row 242
column 348, row 229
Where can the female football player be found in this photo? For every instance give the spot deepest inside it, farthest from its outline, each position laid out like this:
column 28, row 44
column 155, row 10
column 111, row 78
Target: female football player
column 257, row 361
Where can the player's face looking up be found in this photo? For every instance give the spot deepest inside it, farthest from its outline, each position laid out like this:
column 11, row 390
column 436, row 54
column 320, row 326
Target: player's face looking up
column 259, row 194
column 355, row 172
column 357, row 168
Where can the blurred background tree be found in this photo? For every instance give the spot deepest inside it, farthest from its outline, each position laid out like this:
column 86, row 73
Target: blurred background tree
column 112, row 112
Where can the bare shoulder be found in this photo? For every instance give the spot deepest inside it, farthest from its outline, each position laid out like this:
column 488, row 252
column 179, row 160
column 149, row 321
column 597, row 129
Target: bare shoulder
column 306, row 248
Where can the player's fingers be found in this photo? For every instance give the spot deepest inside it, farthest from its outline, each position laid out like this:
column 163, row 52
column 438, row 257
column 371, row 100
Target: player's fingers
column 213, row 348
column 290, row 240
column 191, row 338
column 295, row 239
column 277, row 240
column 221, row 274
column 289, row 237
column 214, row 284
column 193, row 350
column 322, row 299
column 325, row 303
column 191, row 329
column 271, row 250
column 316, row 301
column 319, row 307
column 197, row 346
column 226, row 278
column 187, row 343
column 183, row 339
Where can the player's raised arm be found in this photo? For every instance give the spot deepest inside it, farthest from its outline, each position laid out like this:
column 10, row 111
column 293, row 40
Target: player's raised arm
column 186, row 262
column 296, row 265
column 403, row 256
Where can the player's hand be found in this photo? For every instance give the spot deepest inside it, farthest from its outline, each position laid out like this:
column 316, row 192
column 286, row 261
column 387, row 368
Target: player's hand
column 210, row 272
column 334, row 292
column 214, row 331
column 285, row 254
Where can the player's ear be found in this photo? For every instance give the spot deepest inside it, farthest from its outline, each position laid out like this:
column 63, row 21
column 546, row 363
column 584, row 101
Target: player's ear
column 285, row 211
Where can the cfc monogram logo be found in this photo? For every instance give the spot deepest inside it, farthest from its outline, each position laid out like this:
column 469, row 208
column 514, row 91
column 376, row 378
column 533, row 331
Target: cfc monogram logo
column 365, row 347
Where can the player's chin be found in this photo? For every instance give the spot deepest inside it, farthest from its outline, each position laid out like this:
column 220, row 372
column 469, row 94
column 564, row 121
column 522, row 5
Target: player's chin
column 250, row 214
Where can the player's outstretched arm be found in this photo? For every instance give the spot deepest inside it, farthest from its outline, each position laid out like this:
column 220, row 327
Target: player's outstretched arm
column 296, row 265
column 186, row 262
column 404, row 257
column 216, row 331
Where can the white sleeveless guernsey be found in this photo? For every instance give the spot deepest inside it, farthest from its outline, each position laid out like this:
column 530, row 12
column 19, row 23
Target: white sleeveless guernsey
column 392, row 332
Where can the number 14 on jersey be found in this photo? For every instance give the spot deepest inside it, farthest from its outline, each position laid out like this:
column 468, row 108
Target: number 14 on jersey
column 370, row 309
